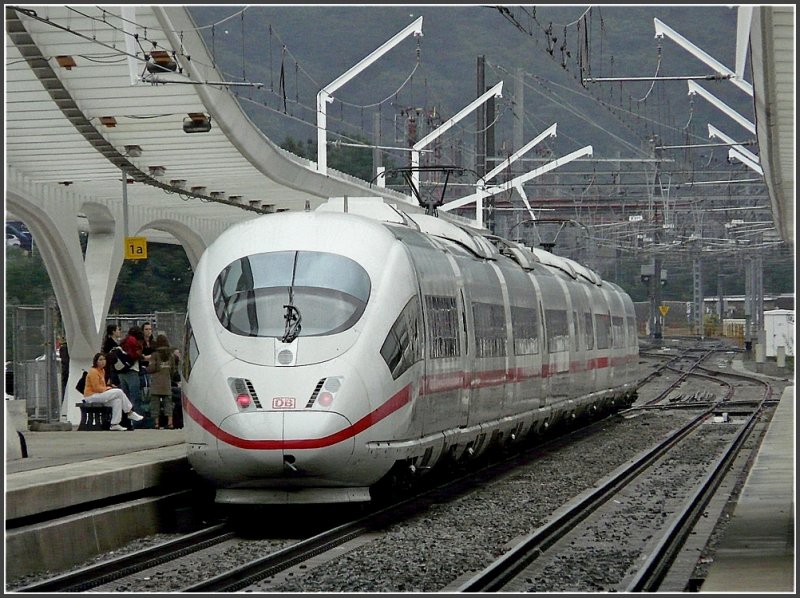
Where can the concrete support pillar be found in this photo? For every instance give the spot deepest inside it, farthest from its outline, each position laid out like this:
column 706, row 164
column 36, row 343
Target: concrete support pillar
column 759, row 348
column 83, row 285
column 698, row 305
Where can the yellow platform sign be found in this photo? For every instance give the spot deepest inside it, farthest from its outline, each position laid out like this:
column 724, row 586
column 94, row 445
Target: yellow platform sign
column 664, row 309
column 135, row 248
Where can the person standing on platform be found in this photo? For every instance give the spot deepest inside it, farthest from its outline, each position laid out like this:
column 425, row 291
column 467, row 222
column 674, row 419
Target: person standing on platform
column 127, row 365
column 177, row 399
column 63, row 354
column 97, row 391
column 163, row 368
column 111, row 342
column 148, row 346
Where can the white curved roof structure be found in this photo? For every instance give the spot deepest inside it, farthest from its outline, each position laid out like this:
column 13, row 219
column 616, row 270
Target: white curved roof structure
column 70, row 128
column 772, row 47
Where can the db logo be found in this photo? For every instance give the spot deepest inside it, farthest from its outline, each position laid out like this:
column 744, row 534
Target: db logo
column 283, row 402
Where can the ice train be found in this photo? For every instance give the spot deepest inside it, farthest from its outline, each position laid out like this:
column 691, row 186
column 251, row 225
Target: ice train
column 326, row 349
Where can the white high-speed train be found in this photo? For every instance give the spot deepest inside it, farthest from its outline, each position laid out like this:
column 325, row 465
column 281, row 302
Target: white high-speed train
column 326, row 349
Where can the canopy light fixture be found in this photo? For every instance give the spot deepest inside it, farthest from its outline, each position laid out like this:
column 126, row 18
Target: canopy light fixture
column 65, row 183
column 199, row 190
column 161, row 61
column 217, row 195
column 108, row 121
column 179, row 183
column 66, row 62
column 236, row 198
column 197, row 122
column 157, row 170
column 133, row 151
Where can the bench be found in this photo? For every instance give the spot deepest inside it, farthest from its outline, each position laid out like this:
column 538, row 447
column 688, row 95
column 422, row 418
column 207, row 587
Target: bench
column 96, row 417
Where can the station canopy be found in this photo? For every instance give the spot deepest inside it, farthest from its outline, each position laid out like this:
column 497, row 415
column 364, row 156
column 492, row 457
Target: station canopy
column 93, row 92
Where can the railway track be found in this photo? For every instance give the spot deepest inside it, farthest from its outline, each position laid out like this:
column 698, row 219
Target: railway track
column 517, row 570
column 90, row 577
column 112, row 575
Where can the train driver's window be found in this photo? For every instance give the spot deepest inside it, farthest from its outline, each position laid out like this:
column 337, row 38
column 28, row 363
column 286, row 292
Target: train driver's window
column 328, row 291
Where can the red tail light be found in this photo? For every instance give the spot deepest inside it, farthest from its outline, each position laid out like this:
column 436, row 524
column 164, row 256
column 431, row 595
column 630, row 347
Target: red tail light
column 243, row 400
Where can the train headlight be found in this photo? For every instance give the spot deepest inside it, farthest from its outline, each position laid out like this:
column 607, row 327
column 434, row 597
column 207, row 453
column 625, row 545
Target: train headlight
column 325, row 399
column 325, row 392
column 243, row 394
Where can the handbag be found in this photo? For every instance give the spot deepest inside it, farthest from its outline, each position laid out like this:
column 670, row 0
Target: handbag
column 81, row 385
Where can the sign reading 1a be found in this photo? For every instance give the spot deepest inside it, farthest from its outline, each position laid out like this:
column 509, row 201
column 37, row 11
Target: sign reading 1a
column 135, row 248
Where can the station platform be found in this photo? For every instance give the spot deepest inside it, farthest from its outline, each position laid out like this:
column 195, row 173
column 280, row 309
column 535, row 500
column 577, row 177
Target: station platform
column 80, row 494
column 756, row 553
column 63, row 462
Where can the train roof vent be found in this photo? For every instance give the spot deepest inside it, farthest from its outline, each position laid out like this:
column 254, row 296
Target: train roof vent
column 587, row 273
column 437, row 227
column 555, row 261
column 516, row 251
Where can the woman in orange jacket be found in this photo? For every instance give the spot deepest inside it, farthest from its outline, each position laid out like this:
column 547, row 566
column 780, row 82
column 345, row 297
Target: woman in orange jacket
column 97, row 391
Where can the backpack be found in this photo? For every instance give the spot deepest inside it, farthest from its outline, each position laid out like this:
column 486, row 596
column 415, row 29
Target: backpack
column 122, row 361
column 81, row 385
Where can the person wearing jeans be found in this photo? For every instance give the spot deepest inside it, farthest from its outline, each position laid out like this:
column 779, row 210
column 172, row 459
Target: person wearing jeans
column 97, row 391
column 127, row 365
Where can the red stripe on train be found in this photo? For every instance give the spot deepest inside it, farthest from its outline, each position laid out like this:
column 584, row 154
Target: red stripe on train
column 393, row 404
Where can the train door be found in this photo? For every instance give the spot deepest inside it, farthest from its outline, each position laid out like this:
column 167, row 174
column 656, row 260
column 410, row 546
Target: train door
column 529, row 334
column 558, row 315
column 524, row 357
column 602, row 338
column 467, row 356
column 588, row 348
column 582, row 344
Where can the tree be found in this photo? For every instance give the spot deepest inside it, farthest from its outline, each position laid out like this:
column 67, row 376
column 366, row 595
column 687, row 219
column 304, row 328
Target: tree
column 355, row 161
column 159, row 283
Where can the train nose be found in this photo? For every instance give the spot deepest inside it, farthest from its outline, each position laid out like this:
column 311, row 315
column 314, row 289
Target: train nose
column 292, row 444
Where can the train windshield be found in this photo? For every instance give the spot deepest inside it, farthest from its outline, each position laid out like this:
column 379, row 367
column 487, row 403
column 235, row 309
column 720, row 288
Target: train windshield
column 286, row 294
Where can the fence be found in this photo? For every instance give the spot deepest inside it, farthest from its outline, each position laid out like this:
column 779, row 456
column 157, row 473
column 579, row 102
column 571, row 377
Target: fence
column 169, row 323
column 35, row 363
column 35, row 372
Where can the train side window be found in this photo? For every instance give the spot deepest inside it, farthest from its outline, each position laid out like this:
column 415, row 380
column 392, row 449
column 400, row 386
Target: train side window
column 443, row 326
column 603, row 328
column 557, row 330
column 190, row 351
column 523, row 325
column 401, row 349
column 589, row 329
column 490, row 329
